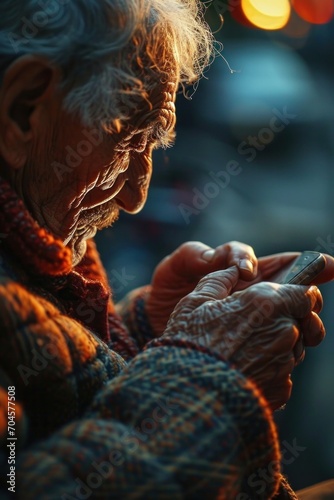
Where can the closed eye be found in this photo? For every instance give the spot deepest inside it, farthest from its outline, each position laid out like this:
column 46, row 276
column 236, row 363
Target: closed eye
column 155, row 137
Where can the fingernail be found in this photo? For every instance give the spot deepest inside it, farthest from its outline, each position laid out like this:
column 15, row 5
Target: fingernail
column 208, row 255
column 246, row 265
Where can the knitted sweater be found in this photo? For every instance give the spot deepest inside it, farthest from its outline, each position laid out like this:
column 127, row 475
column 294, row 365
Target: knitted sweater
column 103, row 410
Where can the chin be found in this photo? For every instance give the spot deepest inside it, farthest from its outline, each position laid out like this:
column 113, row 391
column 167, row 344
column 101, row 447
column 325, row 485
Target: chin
column 91, row 221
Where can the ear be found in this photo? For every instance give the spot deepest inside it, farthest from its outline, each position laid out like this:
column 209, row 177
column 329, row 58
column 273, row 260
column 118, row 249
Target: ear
column 28, row 84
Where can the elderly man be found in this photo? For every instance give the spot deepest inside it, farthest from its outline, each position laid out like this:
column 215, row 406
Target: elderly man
column 170, row 393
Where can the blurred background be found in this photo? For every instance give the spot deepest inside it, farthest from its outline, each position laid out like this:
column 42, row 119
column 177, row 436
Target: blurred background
column 253, row 162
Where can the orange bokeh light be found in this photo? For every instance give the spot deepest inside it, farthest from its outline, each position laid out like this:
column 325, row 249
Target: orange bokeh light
column 238, row 14
column 315, row 11
column 271, row 15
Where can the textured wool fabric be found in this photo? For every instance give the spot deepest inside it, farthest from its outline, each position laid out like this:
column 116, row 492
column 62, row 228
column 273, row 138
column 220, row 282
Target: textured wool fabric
column 143, row 434
column 104, row 410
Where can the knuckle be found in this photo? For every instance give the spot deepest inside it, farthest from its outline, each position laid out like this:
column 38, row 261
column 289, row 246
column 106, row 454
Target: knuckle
column 261, row 291
column 183, row 249
column 234, row 243
column 300, row 300
column 247, row 249
column 187, row 244
column 313, row 330
column 293, row 300
column 189, row 302
column 211, row 284
column 190, row 245
column 216, row 278
column 292, row 336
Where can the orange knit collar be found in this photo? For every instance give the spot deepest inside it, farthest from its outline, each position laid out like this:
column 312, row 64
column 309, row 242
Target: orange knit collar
column 43, row 254
column 49, row 264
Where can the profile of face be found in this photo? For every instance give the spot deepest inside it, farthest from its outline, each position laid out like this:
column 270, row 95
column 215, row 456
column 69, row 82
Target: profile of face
column 74, row 179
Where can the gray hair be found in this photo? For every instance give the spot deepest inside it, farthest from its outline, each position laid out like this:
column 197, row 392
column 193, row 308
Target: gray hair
column 109, row 51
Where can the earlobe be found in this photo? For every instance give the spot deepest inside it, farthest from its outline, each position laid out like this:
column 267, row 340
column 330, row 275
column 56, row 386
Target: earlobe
column 27, row 86
column 13, row 146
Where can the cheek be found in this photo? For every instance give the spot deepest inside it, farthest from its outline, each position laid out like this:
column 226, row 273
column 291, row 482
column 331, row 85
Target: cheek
column 103, row 170
column 140, row 170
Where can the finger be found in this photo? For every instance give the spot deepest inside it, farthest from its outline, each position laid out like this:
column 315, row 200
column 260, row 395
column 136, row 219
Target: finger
column 270, row 265
column 215, row 286
column 328, row 272
column 298, row 301
column 280, row 394
column 286, row 337
column 299, row 350
column 212, row 287
column 269, row 268
column 190, row 260
column 194, row 259
column 313, row 330
column 272, row 299
column 237, row 254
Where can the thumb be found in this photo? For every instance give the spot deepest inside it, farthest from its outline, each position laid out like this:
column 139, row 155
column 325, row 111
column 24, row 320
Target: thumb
column 214, row 286
column 187, row 261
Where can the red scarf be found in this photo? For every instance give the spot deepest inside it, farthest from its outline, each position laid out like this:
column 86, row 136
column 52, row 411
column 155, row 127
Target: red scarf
column 41, row 260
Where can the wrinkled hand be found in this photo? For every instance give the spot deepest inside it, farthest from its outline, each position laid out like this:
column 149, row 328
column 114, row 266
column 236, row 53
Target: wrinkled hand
column 179, row 273
column 270, row 265
column 262, row 330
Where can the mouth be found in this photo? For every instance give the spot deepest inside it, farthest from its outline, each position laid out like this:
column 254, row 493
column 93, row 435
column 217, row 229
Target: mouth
column 101, row 195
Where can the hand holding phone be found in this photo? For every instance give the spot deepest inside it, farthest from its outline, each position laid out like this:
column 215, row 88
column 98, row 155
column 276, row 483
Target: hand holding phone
column 303, row 270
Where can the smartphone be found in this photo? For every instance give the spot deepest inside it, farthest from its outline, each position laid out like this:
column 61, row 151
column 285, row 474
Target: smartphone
column 304, row 269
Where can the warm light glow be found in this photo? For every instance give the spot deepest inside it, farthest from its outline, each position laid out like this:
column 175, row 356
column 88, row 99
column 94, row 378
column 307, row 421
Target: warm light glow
column 315, row 11
column 238, row 14
column 268, row 15
column 297, row 28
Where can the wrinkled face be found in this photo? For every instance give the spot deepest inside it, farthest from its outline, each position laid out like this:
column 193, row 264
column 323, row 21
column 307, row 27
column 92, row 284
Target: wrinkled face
column 79, row 178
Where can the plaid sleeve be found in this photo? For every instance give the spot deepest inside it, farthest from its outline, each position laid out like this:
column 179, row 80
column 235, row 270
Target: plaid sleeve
column 176, row 424
column 134, row 316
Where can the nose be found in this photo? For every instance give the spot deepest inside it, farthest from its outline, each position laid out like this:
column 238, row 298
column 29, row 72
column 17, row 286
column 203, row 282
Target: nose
column 133, row 195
